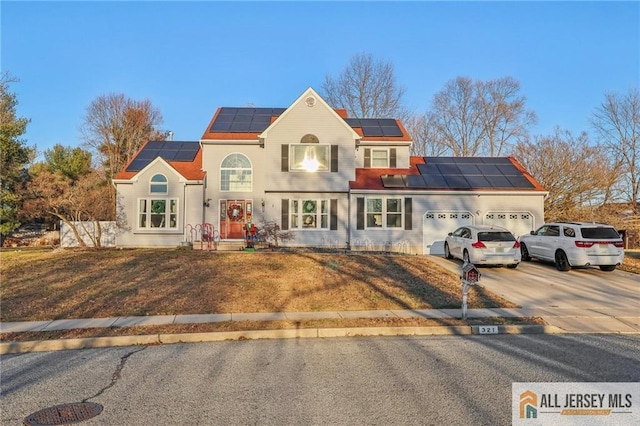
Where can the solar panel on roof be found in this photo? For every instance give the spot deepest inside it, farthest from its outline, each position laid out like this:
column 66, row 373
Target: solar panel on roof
column 469, row 169
column 519, row 182
column 478, row 182
column 449, row 169
column 391, row 131
column 435, row 181
column 372, row 131
column 148, row 154
column 415, row 181
column 240, row 120
column 489, row 169
column 428, row 169
column 456, row 181
column 137, row 165
column 508, row 170
column 499, row 182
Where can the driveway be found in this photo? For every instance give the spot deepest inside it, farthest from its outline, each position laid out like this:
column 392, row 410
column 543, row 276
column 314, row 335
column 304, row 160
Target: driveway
column 579, row 300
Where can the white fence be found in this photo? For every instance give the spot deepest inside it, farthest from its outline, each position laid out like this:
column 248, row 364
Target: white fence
column 87, row 229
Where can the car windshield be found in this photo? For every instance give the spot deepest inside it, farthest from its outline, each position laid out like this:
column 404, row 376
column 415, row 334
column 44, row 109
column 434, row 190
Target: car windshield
column 495, row 236
column 600, row 233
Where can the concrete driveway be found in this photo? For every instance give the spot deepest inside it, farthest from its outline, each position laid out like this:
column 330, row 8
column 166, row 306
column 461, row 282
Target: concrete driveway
column 579, row 300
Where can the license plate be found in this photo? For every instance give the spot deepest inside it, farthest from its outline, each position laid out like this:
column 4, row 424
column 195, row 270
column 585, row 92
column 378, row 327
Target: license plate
column 603, row 245
column 500, row 250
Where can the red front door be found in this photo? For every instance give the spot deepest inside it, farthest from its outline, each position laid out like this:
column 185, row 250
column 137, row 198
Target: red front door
column 232, row 219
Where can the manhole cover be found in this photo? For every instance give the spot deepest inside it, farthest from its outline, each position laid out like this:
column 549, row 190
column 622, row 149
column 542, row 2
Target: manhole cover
column 64, row 414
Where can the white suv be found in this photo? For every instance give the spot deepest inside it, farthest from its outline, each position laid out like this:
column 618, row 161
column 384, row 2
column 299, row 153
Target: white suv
column 571, row 244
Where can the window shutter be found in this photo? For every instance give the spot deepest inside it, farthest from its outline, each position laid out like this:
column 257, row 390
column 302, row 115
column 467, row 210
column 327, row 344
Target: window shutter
column 285, row 158
column 333, row 221
column 285, row 215
column 408, row 214
column 334, row 158
column 392, row 158
column 367, row 157
column 360, row 213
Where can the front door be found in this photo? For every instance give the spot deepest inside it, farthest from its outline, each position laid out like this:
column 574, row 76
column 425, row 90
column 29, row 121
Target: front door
column 233, row 215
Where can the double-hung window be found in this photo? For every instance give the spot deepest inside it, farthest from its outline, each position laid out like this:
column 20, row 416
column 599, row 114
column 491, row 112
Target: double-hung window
column 309, row 214
column 383, row 212
column 379, row 158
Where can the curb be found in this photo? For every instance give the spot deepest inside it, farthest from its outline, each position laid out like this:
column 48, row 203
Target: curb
column 303, row 333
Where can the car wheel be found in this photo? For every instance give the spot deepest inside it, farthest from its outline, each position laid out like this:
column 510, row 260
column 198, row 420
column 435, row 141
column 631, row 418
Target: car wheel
column 524, row 251
column 465, row 257
column 447, row 252
column 562, row 263
column 514, row 266
column 607, row 268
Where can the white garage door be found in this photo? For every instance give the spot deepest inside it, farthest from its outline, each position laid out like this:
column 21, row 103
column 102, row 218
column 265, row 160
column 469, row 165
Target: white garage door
column 518, row 223
column 436, row 226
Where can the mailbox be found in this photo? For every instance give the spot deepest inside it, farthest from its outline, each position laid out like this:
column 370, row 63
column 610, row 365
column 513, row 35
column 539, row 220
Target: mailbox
column 470, row 273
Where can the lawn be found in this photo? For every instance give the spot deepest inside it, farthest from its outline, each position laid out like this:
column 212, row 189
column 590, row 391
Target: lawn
column 62, row 284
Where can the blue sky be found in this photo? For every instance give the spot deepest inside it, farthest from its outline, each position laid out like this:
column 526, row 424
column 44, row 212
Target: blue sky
column 189, row 58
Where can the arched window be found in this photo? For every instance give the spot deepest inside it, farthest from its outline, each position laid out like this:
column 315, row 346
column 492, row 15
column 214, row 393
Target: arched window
column 309, row 138
column 158, row 184
column 236, row 174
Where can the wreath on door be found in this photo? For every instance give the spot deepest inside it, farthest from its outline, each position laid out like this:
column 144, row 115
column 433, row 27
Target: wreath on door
column 235, row 212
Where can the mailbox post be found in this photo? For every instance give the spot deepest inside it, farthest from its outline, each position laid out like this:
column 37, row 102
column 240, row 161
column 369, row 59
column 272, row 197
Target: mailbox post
column 470, row 276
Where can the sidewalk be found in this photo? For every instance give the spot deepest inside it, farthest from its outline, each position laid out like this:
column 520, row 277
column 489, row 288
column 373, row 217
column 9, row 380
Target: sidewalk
column 568, row 319
column 68, row 324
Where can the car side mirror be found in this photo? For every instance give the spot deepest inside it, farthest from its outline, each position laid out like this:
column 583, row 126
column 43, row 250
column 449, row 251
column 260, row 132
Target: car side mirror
column 450, row 234
column 532, row 232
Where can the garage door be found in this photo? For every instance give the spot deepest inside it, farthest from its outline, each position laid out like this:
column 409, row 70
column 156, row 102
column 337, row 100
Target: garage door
column 436, row 226
column 518, row 223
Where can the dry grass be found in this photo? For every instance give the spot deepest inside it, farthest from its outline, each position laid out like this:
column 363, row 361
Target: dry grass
column 61, row 284
column 631, row 262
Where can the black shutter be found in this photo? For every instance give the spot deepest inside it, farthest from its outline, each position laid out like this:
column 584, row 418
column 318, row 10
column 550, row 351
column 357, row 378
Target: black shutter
column 360, row 213
column 334, row 158
column 408, row 214
column 392, row 158
column 333, row 222
column 285, row 158
column 285, row 215
column 367, row 157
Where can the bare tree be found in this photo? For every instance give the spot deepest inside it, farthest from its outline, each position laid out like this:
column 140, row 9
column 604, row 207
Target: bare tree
column 116, row 127
column 577, row 175
column 423, row 133
column 503, row 114
column 480, row 118
column 367, row 88
column 617, row 125
column 457, row 119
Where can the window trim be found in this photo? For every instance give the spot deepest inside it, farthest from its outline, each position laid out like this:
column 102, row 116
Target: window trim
column 327, row 166
column 387, row 158
column 298, row 214
column 167, row 214
column 385, row 213
column 220, row 170
column 165, row 183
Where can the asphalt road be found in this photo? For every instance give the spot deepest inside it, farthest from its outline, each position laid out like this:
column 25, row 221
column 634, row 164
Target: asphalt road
column 456, row 380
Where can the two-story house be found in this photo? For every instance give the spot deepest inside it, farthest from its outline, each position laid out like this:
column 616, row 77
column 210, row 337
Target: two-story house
column 333, row 181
